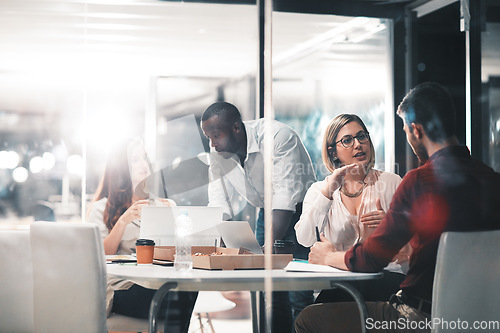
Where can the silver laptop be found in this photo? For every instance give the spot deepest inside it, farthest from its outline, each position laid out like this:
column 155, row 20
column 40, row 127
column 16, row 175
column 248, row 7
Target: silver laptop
column 158, row 224
column 236, row 234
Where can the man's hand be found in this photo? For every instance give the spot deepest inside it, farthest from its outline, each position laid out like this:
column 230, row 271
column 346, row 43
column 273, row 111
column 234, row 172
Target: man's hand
column 325, row 253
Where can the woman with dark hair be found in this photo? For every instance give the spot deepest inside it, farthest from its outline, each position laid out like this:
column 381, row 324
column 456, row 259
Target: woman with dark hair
column 117, row 210
column 349, row 204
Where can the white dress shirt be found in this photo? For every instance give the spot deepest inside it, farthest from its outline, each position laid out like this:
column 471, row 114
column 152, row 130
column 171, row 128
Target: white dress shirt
column 292, row 171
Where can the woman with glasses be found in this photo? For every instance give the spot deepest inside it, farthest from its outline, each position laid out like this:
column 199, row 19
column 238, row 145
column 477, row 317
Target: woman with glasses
column 350, row 203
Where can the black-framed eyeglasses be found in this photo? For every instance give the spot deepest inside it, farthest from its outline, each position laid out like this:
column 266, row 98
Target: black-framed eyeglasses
column 348, row 140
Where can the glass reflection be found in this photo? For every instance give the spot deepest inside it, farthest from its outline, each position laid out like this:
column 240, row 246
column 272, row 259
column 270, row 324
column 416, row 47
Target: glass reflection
column 490, row 72
column 345, row 67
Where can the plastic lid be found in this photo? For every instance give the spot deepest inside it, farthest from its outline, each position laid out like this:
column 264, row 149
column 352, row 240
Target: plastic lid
column 143, row 241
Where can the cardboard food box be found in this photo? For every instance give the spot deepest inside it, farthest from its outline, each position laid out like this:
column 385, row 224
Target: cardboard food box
column 211, row 257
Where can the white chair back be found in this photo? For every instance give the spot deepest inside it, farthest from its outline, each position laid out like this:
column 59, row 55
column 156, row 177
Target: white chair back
column 212, row 301
column 16, row 282
column 69, row 277
column 467, row 280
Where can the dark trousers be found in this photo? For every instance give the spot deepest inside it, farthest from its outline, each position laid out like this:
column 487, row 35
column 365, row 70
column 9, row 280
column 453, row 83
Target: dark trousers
column 343, row 317
column 285, row 305
column 176, row 309
column 377, row 290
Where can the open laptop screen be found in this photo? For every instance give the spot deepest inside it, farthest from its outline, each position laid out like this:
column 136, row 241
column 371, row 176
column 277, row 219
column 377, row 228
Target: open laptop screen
column 158, row 224
column 236, row 234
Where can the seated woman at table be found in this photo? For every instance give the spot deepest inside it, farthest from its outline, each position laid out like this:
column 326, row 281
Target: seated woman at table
column 349, row 204
column 117, row 210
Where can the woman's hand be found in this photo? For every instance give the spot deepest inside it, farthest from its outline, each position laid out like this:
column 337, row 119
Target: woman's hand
column 133, row 212
column 335, row 180
column 373, row 219
column 325, row 253
column 166, row 202
column 113, row 239
column 320, row 251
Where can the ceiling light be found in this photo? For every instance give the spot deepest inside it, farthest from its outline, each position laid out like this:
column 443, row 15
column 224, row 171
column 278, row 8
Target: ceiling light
column 319, row 42
column 368, row 33
column 111, row 26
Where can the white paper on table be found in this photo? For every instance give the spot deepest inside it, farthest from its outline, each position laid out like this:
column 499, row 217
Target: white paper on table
column 112, row 257
column 297, row 266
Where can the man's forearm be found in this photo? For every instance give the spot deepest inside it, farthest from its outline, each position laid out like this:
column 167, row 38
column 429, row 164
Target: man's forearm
column 336, row 259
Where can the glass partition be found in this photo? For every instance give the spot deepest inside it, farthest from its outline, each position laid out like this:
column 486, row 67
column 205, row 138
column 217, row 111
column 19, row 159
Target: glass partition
column 79, row 77
column 76, row 77
column 490, row 77
column 41, row 109
column 337, row 65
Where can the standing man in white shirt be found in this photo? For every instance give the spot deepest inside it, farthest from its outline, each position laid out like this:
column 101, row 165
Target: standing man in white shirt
column 238, row 168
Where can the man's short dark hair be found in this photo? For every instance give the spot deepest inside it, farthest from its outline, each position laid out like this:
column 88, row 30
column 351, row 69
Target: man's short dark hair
column 430, row 105
column 223, row 110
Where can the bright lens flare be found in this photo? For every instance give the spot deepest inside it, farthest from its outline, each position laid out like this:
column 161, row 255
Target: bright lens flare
column 36, row 164
column 74, row 164
column 20, row 174
column 9, row 159
column 49, row 161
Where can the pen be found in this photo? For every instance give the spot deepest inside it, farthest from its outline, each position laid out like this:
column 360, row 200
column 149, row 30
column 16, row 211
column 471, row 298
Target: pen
column 317, row 235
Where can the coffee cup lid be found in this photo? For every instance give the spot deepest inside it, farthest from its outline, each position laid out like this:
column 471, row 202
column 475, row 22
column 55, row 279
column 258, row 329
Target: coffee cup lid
column 143, row 241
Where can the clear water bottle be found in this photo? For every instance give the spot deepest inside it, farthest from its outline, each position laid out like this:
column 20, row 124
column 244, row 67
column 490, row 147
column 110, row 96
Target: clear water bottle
column 183, row 229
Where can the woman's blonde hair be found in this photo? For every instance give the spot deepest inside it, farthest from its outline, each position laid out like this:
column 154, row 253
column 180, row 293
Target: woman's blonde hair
column 332, row 162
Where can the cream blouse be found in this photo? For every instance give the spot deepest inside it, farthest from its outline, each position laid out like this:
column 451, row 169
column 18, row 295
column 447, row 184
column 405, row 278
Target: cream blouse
column 334, row 220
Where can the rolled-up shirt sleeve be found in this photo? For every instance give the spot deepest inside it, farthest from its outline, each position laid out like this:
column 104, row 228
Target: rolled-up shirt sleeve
column 292, row 171
column 216, row 195
column 220, row 188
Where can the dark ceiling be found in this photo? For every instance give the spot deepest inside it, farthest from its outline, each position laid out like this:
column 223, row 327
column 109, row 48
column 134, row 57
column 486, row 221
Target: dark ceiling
column 370, row 8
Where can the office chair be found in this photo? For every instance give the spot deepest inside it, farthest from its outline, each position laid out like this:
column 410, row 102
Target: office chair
column 16, row 282
column 69, row 271
column 467, row 280
column 210, row 301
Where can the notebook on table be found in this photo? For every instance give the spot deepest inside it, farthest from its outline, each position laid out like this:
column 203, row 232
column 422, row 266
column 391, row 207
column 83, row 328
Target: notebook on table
column 158, row 224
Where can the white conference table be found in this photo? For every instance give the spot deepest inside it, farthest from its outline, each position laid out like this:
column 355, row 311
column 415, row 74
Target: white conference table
column 165, row 278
